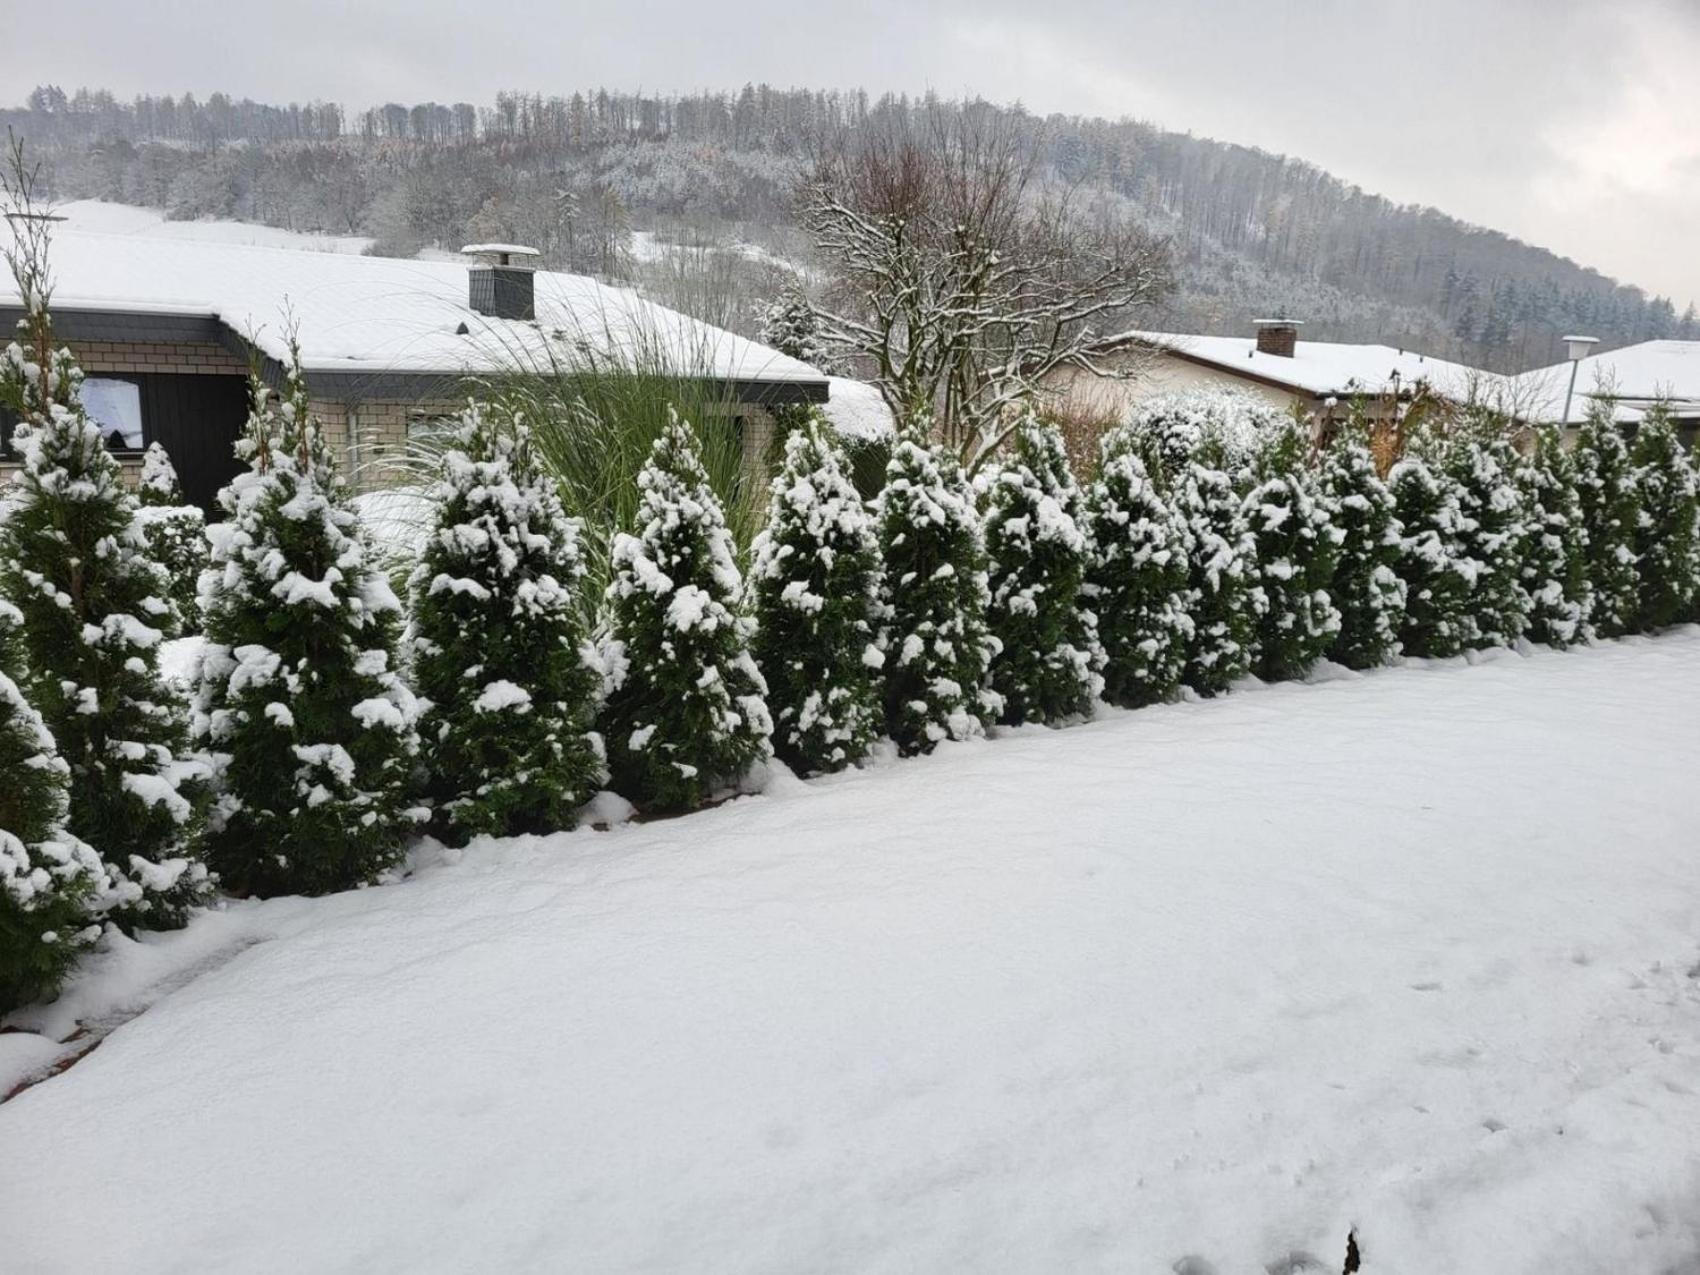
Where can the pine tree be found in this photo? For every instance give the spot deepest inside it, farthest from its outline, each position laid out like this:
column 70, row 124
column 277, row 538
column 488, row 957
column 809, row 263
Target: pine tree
column 687, row 715
column 1611, row 513
column 1555, row 559
column 934, row 595
column 310, row 728
column 1296, row 546
column 1667, row 550
column 1136, row 582
column 1493, row 534
column 1437, row 574
column 175, row 534
column 74, row 565
column 1221, row 574
column 1366, row 586
column 1229, row 427
column 499, row 653
column 51, row 884
column 814, row 593
column 1047, row 667
column 791, row 326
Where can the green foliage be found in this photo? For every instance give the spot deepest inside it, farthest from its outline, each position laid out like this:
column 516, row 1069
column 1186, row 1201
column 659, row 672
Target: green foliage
column 1047, row 666
column 1611, row 513
column 1296, row 547
column 1433, row 567
column 935, row 595
column 1225, row 429
column 176, row 538
column 1667, row 550
column 1493, row 534
column 1221, row 573
column 499, row 656
column 310, row 729
column 1555, row 558
column 687, row 715
column 1366, row 587
column 814, row 593
column 791, row 326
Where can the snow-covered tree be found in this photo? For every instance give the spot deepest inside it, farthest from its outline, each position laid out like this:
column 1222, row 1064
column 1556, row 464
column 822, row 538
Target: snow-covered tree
column 1047, row 667
column 176, row 537
column 1555, row 557
column 1493, row 534
column 1136, row 582
column 299, row 705
column 687, row 714
column 1436, row 572
column 1221, row 573
column 1296, row 548
column 51, row 884
column 935, row 595
column 74, row 565
column 790, row 325
column 814, row 594
column 1366, row 587
column 1611, row 515
column 1167, row 431
column 1667, row 542
column 507, row 680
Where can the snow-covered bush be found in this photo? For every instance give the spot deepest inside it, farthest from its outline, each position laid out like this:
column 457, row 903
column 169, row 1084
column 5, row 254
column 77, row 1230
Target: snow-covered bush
column 507, row 682
column 687, row 714
column 73, row 563
column 1667, row 551
column 934, row 596
column 1433, row 567
column 176, row 537
column 51, row 884
column 1611, row 516
column 1296, row 548
column 1136, row 581
column 1047, row 665
column 1493, row 534
column 1221, row 573
column 790, row 325
column 299, row 705
column 1167, row 431
column 1555, row 556
column 814, row 595
column 1366, row 588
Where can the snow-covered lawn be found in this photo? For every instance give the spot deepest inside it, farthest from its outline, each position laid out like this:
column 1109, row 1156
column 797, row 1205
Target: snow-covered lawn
column 1199, row 988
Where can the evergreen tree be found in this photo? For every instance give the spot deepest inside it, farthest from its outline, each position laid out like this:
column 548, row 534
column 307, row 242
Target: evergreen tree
column 1667, row 550
column 687, row 714
column 1366, row 586
column 1296, row 547
column 1611, row 513
column 1436, row 572
column 51, row 884
column 1221, row 574
column 935, row 595
column 791, row 326
column 1047, row 667
column 175, row 534
column 1136, row 581
column 1229, row 427
column 299, row 704
column 1555, row 559
column 499, row 654
column 1493, row 534
column 814, row 593
column 74, row 565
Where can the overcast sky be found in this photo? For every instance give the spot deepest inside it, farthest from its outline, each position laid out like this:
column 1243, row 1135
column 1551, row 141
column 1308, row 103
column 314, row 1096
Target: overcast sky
column 1571, row 123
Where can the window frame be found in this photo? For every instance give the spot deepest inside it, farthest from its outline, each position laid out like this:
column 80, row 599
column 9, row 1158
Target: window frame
column 132, row 378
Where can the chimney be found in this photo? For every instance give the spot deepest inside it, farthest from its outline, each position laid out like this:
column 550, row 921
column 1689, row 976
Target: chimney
column 1277, row 336
column 502, row 285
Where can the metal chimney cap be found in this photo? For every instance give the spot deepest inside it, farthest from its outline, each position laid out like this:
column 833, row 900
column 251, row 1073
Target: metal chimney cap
column 500, row 254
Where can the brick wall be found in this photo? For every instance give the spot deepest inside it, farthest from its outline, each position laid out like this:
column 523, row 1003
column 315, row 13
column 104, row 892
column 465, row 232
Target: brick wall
column 157, row 356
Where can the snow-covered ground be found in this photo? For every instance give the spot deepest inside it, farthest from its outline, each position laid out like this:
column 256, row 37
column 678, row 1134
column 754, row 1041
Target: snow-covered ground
column 1199, row 988
column 100, row 217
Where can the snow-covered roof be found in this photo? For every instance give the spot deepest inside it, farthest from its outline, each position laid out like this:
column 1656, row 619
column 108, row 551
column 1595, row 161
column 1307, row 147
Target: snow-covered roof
column 1633, row 378
column 1324, row 368
column 858, row 410
column 360, row 314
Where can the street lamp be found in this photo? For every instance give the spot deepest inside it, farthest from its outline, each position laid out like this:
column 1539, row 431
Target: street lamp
column 1575, row 349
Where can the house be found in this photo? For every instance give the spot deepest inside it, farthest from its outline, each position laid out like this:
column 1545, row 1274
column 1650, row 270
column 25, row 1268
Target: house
column 1630, row 380
column 164, row 327
column 1318, row 376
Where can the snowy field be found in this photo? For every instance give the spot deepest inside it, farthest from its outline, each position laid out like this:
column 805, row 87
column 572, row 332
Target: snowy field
column 1200, row 988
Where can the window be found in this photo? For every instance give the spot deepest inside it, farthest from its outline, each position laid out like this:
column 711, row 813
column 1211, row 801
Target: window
column 116, row 406
column 430, row 427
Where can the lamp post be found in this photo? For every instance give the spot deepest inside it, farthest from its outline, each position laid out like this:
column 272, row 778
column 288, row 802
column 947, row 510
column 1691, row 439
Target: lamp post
column 1575, row 349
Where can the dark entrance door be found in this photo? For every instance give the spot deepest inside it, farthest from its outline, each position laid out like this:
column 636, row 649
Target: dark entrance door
column 197, row 419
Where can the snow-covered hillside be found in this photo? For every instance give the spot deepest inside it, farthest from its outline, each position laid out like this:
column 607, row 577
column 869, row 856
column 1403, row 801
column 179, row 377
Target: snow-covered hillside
column 1200, row 988
column 97, row 216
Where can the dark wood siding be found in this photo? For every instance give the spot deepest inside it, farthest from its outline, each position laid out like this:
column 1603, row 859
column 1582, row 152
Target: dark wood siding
column 197, row 419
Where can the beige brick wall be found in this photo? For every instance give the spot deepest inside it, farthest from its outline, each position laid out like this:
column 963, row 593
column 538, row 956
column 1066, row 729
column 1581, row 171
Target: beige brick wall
column 157, row 356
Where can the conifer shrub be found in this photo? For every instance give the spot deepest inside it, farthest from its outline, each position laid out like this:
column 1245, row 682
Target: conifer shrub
column 501, row 662
column 814, row 595
column 1136, row 580
column 1047, row 665
column 934, row 597
column 1437, row 574
column 175, row 534
column 1221, row 573
column 298, row 702
column 1366, row 588
column 1493, row 534
column 1169, row 431
column 1296, row 548
column 1611, row 515
column 1667, row 550
column 1555, row 558
column 687, row 714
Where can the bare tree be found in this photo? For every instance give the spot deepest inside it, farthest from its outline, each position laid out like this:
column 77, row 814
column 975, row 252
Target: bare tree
column 962, row 281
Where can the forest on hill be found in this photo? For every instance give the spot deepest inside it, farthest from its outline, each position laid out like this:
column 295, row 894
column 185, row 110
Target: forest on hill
column 691, row 197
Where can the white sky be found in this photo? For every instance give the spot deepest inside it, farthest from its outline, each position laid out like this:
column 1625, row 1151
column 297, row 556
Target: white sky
column 1574, row 124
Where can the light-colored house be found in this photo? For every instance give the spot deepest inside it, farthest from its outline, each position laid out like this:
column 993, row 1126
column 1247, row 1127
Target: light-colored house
column 1630, row 379
column 163, row 328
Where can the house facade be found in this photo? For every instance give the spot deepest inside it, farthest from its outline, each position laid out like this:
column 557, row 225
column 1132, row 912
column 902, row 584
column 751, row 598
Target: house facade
column 1629, row 381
